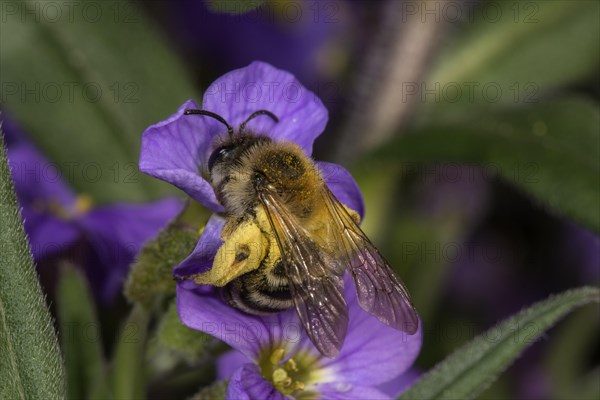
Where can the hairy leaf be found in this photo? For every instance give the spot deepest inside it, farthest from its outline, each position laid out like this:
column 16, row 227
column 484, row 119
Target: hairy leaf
column 473, row 367
column 30, row 362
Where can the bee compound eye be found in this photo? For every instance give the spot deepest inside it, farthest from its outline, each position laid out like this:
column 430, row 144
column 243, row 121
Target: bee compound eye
column 259, row 178
column 219, row 155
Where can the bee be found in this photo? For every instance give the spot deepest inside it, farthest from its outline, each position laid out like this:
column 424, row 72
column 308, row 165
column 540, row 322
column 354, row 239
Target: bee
column 287, row 241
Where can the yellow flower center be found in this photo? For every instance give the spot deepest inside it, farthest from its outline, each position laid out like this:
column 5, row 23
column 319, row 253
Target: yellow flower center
column 292, row 376
column 83, row 204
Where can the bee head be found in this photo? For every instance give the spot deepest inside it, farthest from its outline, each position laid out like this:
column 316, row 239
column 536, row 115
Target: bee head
column 226, row 151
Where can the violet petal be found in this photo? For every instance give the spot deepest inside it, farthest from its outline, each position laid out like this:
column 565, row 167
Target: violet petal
column 47, row 234
column 229, row 363
column 399, row 385
column 176, row 150
column 387, row 352
column 42, row 194
column 36, row 179
column 343, row 186
column 260, row 86
column 203, row 255
column 117, row 233
column 347, row 391
column 201, row 308
column 248, row 384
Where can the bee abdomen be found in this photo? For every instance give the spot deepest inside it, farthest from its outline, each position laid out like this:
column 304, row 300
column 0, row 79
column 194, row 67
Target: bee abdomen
column 254, row 293
column 256, row 302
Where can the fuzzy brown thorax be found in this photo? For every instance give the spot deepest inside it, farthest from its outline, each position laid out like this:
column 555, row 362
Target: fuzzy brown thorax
column 249, row 161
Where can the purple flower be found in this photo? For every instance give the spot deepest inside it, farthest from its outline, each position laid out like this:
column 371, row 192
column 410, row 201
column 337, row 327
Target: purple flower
column 280, row 359
column 274, row 357
column 57, row 221
column 177, row 149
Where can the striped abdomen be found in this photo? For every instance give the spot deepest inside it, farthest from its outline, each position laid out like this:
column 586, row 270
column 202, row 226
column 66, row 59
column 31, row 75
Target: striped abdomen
column 259, row 292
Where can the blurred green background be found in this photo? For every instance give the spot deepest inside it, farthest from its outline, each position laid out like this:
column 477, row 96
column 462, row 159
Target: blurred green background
column 472, row 128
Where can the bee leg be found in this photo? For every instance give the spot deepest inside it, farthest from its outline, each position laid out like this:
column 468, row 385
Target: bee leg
column 243, row 251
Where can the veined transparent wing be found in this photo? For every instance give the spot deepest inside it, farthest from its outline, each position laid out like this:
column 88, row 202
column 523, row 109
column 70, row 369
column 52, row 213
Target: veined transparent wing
column 380, row 292
column 315, row 286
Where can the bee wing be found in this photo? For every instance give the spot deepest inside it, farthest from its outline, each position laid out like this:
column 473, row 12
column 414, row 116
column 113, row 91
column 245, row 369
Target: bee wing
column 316, row 289
column 380, row 292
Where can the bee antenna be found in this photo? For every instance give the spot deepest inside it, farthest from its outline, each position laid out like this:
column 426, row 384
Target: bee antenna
column 213, row 115
column 256, row 114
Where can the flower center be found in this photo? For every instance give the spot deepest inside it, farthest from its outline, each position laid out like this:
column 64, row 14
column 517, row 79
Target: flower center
column 292, row 376
column 83, row 203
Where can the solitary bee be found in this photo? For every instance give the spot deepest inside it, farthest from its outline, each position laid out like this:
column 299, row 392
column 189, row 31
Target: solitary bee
column 288, row 241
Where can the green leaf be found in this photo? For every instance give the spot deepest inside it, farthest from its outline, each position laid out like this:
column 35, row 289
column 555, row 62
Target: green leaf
column 550, row 150
column 80, row 337
column 524, row 48
column 215, row 391
column 188, row 343
column 129, row 373
column 85, row 79
column 30, row 362
column 233, row 6
column 151, row 281
column 476, row 365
